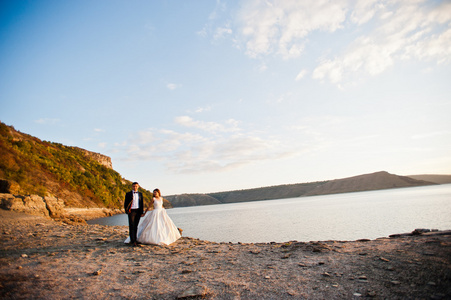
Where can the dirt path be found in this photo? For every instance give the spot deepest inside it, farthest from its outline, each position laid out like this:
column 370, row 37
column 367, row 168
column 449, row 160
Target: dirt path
column 44, row 259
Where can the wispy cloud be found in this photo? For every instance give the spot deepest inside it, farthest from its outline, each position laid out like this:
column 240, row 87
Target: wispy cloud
column 281, row 27
column 406, row 30
column 217, row 147
column 173, row 86
column 395, row 30
column 47, row 121
column 301, row 74
column 229, row 126
column 203, row 109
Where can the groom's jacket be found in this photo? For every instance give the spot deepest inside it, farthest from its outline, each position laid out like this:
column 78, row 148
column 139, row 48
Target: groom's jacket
column 129, row 199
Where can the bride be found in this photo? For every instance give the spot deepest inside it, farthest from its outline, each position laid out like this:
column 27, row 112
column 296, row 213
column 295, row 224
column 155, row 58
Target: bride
column 156, row 227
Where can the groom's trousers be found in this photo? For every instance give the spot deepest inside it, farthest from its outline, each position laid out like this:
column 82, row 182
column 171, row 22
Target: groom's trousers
column 133, row 220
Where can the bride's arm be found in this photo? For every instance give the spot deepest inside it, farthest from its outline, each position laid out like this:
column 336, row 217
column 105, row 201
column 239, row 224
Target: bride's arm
column 149, row 206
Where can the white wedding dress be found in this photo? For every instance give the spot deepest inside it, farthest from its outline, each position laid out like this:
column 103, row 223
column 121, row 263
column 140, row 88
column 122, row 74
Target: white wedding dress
column 156, row 227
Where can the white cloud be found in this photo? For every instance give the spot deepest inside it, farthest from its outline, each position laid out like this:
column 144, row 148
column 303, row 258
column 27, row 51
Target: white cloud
column 389, row 31
column 172, row 86
column 363, row 11
column 203, row 109
column 187, row 121
column 301, row 74
column 47, row 121
column 221, row 32
column 280, row 27
column 404, row 31
column 225, row 153
column 188, row 152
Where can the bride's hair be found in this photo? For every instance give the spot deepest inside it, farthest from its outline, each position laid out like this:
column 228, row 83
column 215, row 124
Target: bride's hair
column 157, row 190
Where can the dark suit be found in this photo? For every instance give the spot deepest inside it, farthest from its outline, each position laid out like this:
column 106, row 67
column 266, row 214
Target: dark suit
column 135, row 215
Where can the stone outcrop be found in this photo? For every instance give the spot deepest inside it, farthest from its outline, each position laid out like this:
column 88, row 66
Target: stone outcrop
column 100, row 158
column 48, row 206
column 52, row 207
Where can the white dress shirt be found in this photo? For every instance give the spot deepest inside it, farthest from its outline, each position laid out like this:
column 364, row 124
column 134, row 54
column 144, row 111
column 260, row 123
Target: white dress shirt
column 135, row 202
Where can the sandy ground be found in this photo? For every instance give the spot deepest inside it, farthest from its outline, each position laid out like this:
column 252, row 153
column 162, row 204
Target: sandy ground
column 44, row 259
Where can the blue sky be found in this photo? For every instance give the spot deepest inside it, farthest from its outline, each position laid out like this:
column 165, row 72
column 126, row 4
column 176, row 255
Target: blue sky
column 207, row 96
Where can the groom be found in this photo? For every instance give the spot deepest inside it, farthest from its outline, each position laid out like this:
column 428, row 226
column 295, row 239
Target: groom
column 134, row 207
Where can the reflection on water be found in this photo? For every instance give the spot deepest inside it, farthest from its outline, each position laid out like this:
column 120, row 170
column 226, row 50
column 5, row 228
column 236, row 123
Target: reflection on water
column 347, row 216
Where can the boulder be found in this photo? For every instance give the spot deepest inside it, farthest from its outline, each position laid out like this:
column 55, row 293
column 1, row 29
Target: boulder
column 32, row 204
column 54, row 206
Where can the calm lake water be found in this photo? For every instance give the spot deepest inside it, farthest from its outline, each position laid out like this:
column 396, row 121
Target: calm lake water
column 347, row 216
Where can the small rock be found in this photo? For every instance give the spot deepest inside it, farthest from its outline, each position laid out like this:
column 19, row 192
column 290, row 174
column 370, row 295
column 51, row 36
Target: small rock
column 357, row 295
column 363, row 279
column 19, row 267
column 384, row 259
column 302, row 265
column 395, row 282
column 186, row 271
column 267, row 277
column 325, row 274
column 431, row 283
column 24, row 256
column 98, row 272
column 194, row 291
column 371, row 294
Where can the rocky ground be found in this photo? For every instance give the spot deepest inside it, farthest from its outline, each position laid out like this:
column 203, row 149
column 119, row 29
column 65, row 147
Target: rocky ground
column 45, row 259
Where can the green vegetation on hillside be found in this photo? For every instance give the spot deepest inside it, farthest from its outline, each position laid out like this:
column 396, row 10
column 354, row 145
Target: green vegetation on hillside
column 41, row 167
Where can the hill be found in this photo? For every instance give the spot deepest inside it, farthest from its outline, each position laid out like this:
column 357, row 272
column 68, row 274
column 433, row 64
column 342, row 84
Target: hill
column 78, row 177
column 366, row 182
column 440, row 179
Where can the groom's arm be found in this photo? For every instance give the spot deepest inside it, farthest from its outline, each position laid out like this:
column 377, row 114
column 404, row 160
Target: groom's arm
column 126, row 202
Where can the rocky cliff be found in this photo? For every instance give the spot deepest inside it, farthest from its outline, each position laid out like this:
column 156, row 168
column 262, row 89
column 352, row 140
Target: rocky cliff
column 100, row 158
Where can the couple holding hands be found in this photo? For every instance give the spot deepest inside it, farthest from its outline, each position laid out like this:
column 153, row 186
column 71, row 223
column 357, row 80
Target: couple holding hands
column 155, row 227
